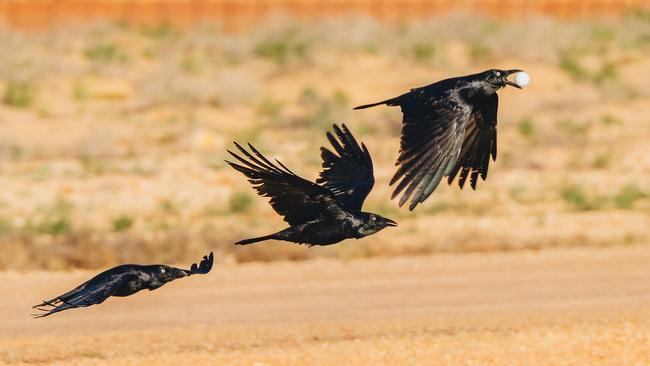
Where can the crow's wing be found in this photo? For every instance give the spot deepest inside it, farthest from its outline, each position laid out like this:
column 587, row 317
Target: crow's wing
column 480, row 142
column 349, row 175
column 433, row 130
column 293, row 197
column 92, row 292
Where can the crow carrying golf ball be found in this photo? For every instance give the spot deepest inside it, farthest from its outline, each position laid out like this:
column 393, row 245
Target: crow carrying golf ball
column 448, row 127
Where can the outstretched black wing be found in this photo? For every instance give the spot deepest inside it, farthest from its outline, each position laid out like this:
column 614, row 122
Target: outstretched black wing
column 204, row 267
column 293, row 197
column 480, row 142
column 349, row 175
column 433, row 130
column 93, row 292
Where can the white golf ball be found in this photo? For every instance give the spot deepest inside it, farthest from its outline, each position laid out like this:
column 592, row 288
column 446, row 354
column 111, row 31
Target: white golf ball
column 522, row 79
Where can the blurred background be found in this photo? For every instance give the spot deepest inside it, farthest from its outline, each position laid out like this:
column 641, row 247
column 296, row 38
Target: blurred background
column 115, row 117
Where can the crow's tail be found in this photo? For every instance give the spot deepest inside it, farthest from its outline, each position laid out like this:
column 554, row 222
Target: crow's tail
column 255, row 240
column 392, row 102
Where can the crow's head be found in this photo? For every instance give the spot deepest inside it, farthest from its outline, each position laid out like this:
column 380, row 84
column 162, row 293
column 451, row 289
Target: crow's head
column 166, row 274
column 372, row 223
column 497, row 79
column 161, row 274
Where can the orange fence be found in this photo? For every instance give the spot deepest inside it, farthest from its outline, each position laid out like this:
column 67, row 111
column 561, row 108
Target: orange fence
column 238, row 14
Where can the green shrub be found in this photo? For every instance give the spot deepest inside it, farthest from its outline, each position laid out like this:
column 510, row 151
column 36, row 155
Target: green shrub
column 19, row 94
column 578, row 199
column 105, row 52
column 168, row 206
column 52, row 225
column 479, row 52
column 606, row 73
column 277, row 51
column 308, row 95
column 526, row 127
column 570, row 64
column 190, row 65
column 122, row 223
column 602, row 161
column 240, row 202
column 270, row 108
column 80, row 92
column 371, row 49
column 55, row 219
column 573, row 129
column 627, row 196
column 423, row 52
column 281, row 50
column 159, row 32
column 5, row 226
column 609, row 120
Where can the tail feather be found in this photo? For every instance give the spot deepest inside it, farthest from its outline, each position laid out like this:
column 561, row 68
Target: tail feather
column 255, row 240
column 391, row 102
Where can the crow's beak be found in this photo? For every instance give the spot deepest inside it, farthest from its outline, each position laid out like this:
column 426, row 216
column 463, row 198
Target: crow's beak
column 183, row 273
column 390, row 222
column 508, row 82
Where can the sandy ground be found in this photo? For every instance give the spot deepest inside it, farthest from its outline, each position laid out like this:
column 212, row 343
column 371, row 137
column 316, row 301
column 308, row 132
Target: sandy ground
column 555, row 307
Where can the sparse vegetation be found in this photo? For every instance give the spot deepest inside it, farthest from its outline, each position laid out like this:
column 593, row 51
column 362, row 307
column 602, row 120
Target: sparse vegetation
column 578, row 199
column 5, row 226
column 282, row 50
column 624, row 199
column 602, row 161
column 479, row 52
column 321, row 111
column 105, row 52
column 609, row 120
column 80, row 91
column 571, row 65
column 526, row 127
column 270, row 108
column 423, row 52
column 573, row 129
column 628, row 195
column 53, row 220
column 240, row 202
column 19, row 94
column 607, row 72
column 137, row 119
column 190, row 65
column 159, row 32
column 122, row 223
column 93, row 165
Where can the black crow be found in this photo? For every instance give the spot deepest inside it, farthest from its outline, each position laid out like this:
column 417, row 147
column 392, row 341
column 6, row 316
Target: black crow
column 448, row 127
column 318, row 214
column 122, row 280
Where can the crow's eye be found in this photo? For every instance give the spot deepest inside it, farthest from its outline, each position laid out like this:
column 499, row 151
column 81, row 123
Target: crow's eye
column 498, row 73
column 373, row 218
column 162, row 270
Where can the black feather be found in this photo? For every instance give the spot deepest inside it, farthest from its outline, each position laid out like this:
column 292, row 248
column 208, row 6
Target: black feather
column 448, row 130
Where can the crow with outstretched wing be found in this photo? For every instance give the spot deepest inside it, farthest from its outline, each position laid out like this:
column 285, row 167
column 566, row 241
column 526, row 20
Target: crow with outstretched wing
column 448, row 130
column 317, row 214
column 122, row 280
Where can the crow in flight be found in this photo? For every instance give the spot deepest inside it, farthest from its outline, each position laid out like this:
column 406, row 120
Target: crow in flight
column 448, row 127
column 122, row 280
column 321, row 213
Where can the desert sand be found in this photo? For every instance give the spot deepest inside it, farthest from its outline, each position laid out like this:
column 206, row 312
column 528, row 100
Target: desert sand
column 552, row 307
